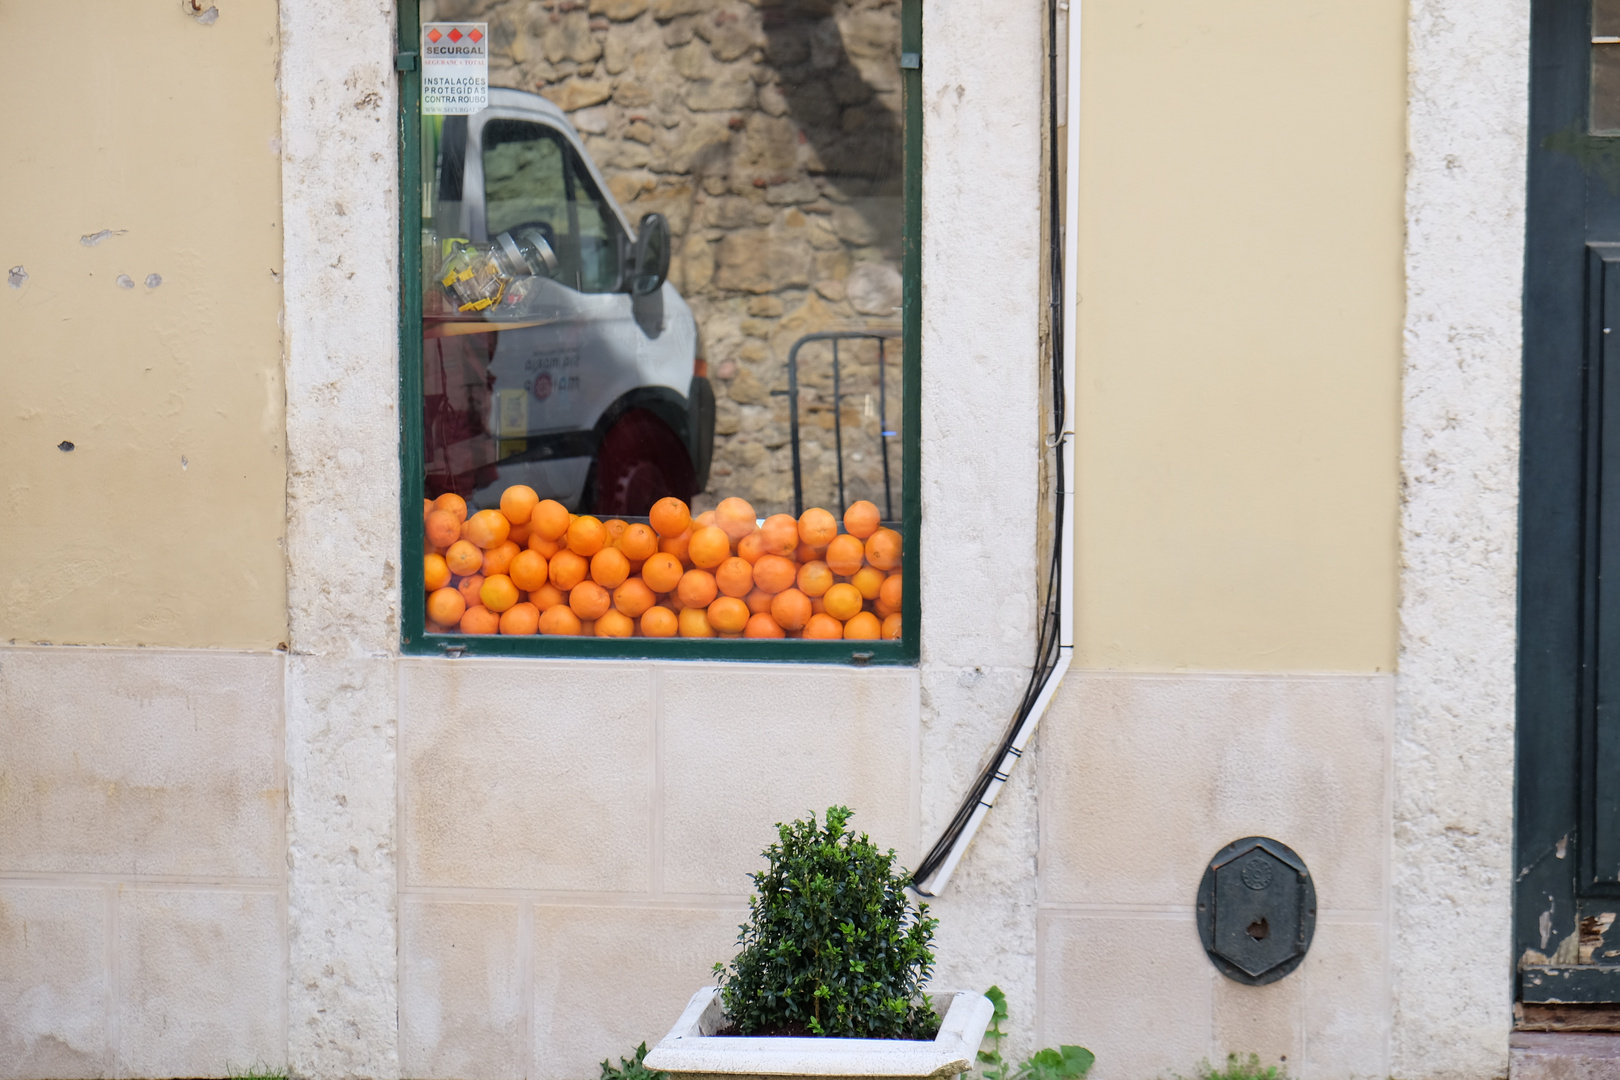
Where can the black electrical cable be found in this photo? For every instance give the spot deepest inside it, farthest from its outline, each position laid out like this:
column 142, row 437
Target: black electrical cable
column 1047, row 640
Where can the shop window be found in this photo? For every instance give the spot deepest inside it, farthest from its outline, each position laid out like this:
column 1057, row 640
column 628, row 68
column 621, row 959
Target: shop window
column 659, row 328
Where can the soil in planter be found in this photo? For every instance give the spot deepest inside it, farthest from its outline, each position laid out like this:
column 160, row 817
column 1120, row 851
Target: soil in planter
column 800, row 1031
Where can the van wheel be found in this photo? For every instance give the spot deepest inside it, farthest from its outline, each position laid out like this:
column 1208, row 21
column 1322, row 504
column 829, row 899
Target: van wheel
column 639, row 462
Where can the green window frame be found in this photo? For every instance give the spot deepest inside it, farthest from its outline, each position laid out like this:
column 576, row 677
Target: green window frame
column 415, row 642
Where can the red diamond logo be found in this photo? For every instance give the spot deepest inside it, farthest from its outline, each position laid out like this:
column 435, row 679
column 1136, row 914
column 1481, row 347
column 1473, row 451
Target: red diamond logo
column 434, row 35
column 475, row 37
column 455, row 35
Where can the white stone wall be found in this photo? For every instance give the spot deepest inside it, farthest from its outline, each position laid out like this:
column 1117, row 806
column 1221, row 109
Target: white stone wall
column 1453, row 810
column 366, row 866
column 142, row 892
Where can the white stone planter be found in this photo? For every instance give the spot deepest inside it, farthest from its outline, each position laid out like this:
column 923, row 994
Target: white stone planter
column 691, row 1050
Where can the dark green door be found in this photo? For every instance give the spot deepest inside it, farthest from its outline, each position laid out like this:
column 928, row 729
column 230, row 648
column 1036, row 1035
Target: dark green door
column 1568, row 845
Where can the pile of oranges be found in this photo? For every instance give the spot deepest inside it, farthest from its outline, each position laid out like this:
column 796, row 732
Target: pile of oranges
column 532, row 567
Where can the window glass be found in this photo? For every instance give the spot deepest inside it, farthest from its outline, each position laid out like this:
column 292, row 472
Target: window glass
column 661, row 322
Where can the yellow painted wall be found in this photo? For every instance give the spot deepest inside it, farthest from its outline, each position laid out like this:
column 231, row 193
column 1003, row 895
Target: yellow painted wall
column 164, row 525
column 1241, row 299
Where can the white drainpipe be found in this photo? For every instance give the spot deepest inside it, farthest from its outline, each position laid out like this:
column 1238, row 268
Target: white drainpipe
column 935, row 884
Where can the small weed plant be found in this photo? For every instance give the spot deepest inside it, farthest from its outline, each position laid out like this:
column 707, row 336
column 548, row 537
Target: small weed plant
column 1239, row 1069
column 832, row 945
column 631, row 1068
column 1062, row 1063
column 255, row 1072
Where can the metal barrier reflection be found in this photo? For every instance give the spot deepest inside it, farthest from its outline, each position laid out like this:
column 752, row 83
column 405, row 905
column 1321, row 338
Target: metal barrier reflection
column 882, row 337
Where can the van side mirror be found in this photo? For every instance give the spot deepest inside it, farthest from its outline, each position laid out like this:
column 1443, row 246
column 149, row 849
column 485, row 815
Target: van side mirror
column 649, row 259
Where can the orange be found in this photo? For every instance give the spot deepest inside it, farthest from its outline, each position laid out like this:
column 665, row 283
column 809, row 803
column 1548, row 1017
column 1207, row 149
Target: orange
column 518, row 503
column 752, row 546
column 638, row 542
column 659, row 621
column 890, row 592
column 587, row 628
column 549, row 520
column 609, row 568
column 615, row 528
column 758, row 602
column 843, row 601
column 478, row 619
column 615, row 624
column 773, row 573
column 662, row 572
column 488, row 528
column 814, row 579
column 823, row 627
column 464, row 529
column 519, row 535
column 545, row 547
column 452, row 504
column 861, row 519
column 818, row 606
column 673, row 602
column 559, row 620
column 498, row 559
column 587, row 536
column 498, row 593
column 710, row 547
column 670, row 517
column 694, row 622
column 678, row 545
column 883, row 549
column 633, row 598
column 734, row 577
column 520, row 619
column 568, row 569
column 697, row 588
column 468, row 588
column 528, row 570
column 736, row 517
column 728, row 615
column 863, row 626
column 445, row 606
column 589, row 600
column 435, row 573
column 547, row 597
column 806, row 553
column 891, row 627
column 883, row 610
column 791, row 609
column 781, row 534
column 817, row 527
column 442, row 528
column 869, row 581
column 762, row 625
column 427, row 508
column 463, row 558
column 845, row 555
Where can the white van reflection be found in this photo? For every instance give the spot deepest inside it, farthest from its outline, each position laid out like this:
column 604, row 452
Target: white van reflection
column 555, row 351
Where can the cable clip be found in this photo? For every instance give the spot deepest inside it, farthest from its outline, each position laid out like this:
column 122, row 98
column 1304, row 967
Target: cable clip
column 1053, row 441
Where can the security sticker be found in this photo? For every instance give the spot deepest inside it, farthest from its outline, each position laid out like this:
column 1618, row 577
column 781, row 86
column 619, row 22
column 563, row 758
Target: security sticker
column 455, row 68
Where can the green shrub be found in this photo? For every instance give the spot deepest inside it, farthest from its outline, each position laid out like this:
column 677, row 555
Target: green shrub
column 632, row 1068
column 1063, row 1063
column 1237, row 1069
column 832, row 945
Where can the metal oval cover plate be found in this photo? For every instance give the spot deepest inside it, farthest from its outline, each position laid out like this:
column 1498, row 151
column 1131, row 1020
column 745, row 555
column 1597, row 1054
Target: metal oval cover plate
column 1256, row 910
